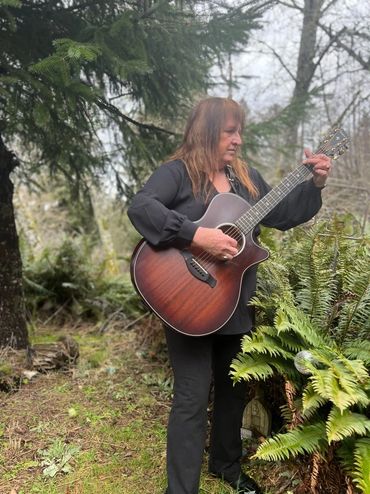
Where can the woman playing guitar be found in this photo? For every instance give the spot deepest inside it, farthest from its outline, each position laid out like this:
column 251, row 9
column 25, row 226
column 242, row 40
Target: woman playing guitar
column 166, row 212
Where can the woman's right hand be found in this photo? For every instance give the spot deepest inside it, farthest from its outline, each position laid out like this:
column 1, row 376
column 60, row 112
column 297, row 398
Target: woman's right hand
column 216, row 242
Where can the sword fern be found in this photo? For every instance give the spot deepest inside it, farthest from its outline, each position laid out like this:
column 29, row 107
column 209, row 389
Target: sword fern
column 316, row 297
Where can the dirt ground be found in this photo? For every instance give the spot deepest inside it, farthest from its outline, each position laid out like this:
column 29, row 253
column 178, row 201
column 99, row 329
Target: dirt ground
column 100, row 426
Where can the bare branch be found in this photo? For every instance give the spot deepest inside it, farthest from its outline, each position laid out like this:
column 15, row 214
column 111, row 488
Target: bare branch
column 350, row 104
column 327, row 47
column 292, row 5
column 280, row 60
column 356, row 56
column 327, row 7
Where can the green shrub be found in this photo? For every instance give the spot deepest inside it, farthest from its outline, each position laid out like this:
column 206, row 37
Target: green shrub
column 66, row 280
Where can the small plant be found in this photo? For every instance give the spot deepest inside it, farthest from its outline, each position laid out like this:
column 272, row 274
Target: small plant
column 57, row 458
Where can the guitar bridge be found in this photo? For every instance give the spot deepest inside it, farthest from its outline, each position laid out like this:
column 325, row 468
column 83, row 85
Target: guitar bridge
column 197, row 270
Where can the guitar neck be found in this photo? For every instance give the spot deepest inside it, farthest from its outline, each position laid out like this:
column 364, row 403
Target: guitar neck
column 255, row 214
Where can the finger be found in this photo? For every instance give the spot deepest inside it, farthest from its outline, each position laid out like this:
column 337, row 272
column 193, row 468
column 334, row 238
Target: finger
column 323, row 166
column 231, row 242
column 321, row 172
column 229, row 252
column 232, row 252
column 227, row 257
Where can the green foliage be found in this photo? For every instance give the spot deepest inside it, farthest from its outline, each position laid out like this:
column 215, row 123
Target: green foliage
column 67, row 279
column 57, row 458
column 10, row 3
column 303, row 439
column 316, row 298
column 344, row 424
column 362, row 464
column 125, row 65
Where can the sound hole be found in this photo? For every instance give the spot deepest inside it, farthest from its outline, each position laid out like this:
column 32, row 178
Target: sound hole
column 234, row 232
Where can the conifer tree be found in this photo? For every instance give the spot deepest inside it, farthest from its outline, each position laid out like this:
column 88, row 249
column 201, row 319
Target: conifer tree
column 69, row 68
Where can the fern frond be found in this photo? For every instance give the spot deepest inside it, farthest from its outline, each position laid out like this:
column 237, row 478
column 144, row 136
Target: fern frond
column 356, row 367
column 341, row 388
column 303, row 439
column 316, row 287
column 262, row 343
column 361, row 472
column 311, row 401
column 248, row 368
column 289, row 317
column 354, row 314
column 292, row 341
column 343, row 424
column 325, row 383
column 352, row 377
column 358, row 349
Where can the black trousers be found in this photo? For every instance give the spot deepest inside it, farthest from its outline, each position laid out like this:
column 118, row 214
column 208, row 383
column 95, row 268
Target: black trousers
column 194, row 360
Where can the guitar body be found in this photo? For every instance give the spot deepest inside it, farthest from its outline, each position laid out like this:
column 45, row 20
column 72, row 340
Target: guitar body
column 192, row 291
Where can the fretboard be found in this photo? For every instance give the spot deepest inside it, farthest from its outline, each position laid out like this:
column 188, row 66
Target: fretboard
column 256, row 213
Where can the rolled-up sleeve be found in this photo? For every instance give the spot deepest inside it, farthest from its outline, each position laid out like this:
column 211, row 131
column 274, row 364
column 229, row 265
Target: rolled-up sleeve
column 151, row 214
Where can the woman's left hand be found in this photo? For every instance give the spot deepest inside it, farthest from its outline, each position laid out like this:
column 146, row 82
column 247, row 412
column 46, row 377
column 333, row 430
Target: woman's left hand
column 321, row 167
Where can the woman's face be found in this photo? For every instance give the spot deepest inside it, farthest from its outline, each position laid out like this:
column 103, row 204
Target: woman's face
column 229, row 142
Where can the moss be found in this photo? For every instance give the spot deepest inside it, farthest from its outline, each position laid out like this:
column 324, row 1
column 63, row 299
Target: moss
column 6, row 369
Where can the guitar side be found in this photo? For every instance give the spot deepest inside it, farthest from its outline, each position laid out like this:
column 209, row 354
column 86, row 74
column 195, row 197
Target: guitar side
column 183, row 301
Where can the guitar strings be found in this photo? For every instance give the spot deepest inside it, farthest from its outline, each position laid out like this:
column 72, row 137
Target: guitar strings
column 204, row 257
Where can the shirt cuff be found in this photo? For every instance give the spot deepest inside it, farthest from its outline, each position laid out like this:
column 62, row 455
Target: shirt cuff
column 315, row 186
column 187, row 231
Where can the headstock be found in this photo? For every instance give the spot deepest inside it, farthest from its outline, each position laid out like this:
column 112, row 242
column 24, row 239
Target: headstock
column 334, row 144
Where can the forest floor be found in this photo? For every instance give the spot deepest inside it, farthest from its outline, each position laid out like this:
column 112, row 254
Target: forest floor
column 100, row 427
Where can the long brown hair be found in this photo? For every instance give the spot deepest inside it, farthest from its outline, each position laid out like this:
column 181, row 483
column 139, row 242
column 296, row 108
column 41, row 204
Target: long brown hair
column 199, row 148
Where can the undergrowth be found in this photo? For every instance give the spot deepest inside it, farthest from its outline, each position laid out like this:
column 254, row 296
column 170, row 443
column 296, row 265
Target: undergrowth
column 65, row 284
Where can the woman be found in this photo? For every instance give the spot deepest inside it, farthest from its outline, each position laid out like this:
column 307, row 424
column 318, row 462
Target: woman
column 164, row 211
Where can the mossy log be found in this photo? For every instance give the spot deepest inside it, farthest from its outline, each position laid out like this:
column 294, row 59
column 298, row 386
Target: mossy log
column 45, row 357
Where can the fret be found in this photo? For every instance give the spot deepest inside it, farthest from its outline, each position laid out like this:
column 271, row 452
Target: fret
column 255, row 214
column 333, row 145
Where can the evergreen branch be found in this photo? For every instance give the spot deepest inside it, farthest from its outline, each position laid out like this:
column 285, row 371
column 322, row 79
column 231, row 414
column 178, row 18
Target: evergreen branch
column 113, row 110
column 151, row 10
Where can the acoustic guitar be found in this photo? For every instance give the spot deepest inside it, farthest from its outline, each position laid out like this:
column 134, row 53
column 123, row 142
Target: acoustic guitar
column 195, row 293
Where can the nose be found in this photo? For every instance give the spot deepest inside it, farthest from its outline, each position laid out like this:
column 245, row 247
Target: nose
column 237, row 139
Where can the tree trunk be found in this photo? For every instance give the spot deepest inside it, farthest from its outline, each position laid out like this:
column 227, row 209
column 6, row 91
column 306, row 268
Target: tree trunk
column 13, row 331
column 305, row 68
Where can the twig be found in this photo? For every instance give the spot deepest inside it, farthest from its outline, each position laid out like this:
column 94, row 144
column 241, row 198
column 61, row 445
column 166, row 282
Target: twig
column 136, row 320
column 56, row 312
